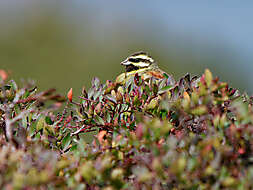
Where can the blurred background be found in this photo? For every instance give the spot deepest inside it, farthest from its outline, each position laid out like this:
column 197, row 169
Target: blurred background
column 65, row 44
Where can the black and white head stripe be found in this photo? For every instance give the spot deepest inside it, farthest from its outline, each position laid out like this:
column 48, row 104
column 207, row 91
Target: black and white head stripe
column 140, row 59
column 142, row 56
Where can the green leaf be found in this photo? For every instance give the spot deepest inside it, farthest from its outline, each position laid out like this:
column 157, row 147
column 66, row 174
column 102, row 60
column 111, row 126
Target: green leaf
column 200, row 110
column 74, row 148
column 165, row 88
column 155, row 89
column 49, row 129
column 165, row 75
column 32, row 129
column 66, row 141
column 14, row 85
column 208, row 77
column 97, row 94
column 163, row 114
column 99, row 120
column 107, row 116
column 40, row 124
column 24, row 122
column 48, row 120
column 27, row 93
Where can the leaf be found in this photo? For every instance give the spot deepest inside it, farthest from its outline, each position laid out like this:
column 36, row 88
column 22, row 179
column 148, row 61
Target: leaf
column 99, row 120
column 91, row 92
column 49, row 129
column 66, row 141
column 14, row 85
column 97, row 94
column 208, row 77
column 27, row 93
column 111, row 98
column 163, row 114
column 119, row 97
column 165, row 75
column 152, row 104
column 74, row 148
column 155, row 89
column 129, row 84
column 48, row 120
column 32, row 129
column 70, row 95
column 200, row 110
column 165, row 88
column 3, row 74
column 40, row 124
column 95, row 82
column 107, row 116
column 98, row 108
column 24, row 122
column 84, row 92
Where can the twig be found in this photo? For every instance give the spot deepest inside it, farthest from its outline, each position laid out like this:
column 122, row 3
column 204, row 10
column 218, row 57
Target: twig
column 87, row 99
column 21, row 115
column 78, row 131
column 9, row 122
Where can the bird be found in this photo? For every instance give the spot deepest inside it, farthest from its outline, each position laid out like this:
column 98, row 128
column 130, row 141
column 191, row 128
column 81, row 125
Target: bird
column 144, row 65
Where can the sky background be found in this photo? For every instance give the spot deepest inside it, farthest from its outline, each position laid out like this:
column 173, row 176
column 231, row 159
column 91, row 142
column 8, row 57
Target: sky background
column 65, row 44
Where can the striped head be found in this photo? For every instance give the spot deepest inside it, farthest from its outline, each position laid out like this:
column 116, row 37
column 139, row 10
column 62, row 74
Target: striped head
column 137, row 61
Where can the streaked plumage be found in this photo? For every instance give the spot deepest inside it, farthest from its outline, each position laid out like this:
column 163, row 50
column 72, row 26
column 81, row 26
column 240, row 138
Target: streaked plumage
column 144, row 65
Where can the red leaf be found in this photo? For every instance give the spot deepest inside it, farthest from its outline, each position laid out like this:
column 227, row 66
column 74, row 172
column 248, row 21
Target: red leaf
column 139, row 131
column 70, row 95
column 3, row 74
column 241, row 151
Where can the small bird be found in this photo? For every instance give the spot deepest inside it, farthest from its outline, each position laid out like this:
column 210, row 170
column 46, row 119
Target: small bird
column 144, row 65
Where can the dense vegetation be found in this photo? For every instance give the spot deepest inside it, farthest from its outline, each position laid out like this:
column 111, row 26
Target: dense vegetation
column 147, row 135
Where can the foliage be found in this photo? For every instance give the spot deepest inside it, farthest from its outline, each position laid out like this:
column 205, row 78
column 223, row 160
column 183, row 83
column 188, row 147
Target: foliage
column 196, row 134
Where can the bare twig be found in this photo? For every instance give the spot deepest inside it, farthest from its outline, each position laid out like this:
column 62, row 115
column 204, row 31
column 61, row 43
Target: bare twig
column 78, row 131
column 87, row 99
column 9, row 122
column 21, row 115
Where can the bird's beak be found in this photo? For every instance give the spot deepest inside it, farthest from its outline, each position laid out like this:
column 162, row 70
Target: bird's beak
column 125, row 63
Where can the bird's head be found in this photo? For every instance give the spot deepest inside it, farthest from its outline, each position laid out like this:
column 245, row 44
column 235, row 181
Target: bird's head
column 137, row 61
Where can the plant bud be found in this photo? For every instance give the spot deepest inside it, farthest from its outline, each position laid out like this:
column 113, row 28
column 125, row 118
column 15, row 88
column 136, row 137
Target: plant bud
column 70, row 95
column 208, row 77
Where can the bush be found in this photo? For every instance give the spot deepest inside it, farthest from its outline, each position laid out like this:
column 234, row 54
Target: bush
column 196, row 134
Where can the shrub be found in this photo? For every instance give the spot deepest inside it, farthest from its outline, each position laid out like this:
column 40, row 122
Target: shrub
column 196, row 134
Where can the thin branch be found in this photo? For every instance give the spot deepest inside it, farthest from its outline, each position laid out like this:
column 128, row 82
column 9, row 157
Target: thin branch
column 21, row 115
column 78, row 131
column 87, row 99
